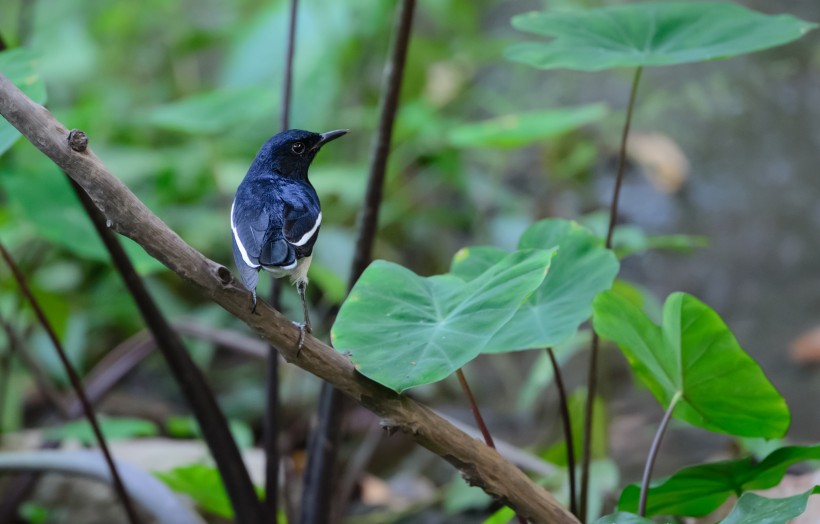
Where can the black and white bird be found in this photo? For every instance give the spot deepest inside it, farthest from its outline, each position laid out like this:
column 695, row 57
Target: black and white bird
column 275, row 216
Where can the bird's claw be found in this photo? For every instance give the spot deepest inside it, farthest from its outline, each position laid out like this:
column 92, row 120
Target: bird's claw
column 253, row 302
column 303, row 328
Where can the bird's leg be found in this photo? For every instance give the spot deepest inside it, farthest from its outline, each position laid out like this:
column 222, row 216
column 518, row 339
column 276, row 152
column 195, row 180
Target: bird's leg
column 253, row 303
column 301, row 285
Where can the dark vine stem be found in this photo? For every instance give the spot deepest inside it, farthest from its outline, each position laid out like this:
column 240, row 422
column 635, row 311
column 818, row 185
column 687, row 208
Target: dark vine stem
column 270, row 421
column 189, row 378
column 479, row 420
column 77, row 385
column 653, row 453
column 592, row 378
column 567, row 424
column 325, row 438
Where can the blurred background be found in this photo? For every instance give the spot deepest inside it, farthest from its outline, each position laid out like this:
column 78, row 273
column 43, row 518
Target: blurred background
column 177, row 96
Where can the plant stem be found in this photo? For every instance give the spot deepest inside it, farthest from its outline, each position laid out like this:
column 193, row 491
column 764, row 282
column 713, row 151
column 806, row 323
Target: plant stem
column 270, row 422
column 325, row 438
column 77, row 385
column 592, row 378
column 616, row 193
column 479, row 420
column 189, row 378
column 567, row 423
column 653, row 453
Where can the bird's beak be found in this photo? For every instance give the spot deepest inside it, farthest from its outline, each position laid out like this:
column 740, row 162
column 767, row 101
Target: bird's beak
column 328, row 137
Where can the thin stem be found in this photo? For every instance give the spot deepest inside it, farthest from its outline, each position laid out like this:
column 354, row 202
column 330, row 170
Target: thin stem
column 592, row 378
column 287, row 82
column 186, row 374
column 77, row 385
column 616, row 193
column 567, row 423
column 270, row 422
column 479, row 420
column 324, row 441
column 653, row 453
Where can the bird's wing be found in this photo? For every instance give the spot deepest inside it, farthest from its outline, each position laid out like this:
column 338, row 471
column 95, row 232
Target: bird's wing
column 249, row 225
column 301, row 227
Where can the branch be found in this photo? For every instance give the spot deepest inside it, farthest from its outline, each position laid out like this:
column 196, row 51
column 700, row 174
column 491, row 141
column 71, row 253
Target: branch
column 480, row 465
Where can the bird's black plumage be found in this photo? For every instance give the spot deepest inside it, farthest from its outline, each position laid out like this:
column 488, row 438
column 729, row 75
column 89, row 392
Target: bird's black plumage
column 276, row 215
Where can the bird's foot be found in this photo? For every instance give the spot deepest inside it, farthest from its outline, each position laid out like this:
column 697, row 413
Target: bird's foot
column 253, row 302
column 303, row 328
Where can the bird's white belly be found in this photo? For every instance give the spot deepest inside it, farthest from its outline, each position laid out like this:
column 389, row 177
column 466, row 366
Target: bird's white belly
column 297, row 274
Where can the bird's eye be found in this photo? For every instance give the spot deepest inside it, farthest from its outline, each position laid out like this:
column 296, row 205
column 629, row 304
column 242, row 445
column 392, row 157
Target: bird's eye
column 298, row 148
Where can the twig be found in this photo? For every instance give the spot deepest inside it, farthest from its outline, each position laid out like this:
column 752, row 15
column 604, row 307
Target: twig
column 653, row 453
column 76, row 384
column 187, row 375
column 481, row 466
column 567, row 423
column 324, row 445
column 592, row 378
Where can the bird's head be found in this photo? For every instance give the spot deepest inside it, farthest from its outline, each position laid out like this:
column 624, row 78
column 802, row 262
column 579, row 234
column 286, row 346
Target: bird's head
column 290, row 152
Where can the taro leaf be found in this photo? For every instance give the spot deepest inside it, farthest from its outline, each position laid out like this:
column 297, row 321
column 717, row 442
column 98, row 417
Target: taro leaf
column 524, row 129
column 698, row 490
column 695, row 355
column 754, row 509
column 403, row 330
column 649, row 34
column 20, row 66
column 582, row 268
column 623, row 518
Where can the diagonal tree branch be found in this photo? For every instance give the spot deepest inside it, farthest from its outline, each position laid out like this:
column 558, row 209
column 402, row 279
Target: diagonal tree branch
column 480, row 465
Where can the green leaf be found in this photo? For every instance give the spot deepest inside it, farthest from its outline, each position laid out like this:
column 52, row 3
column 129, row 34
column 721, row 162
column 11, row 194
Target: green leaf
column 628, row 240
column 623, row 518
column 503, row 516
column 524, row 129
column 188, row 427
column 698, row 490
column 403, row 330
column 119, row 428
column 754, row 509
column 20, row 66
column 694, row 354
column 203, row 484
column 45, row 199
column 649, row 34
column 215, row 111
column 581, row 269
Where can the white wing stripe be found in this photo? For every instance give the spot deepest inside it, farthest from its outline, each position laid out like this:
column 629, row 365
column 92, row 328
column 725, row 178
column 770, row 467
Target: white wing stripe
column 307, row 236
column 242, row 250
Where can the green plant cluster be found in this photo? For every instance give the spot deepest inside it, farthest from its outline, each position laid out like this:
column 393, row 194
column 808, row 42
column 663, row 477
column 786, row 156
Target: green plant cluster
column 184, row 146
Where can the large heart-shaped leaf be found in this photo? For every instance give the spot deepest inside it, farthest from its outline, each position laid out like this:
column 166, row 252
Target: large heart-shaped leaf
column 582, row 268
column 20, row 66
column 403, row 330
column 754, row 509
column 694, row 354
column 698, row 490
column 649, row 34
column 525, row 129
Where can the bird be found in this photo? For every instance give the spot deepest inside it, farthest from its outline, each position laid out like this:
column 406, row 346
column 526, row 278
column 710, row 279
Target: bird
column 276, row 214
